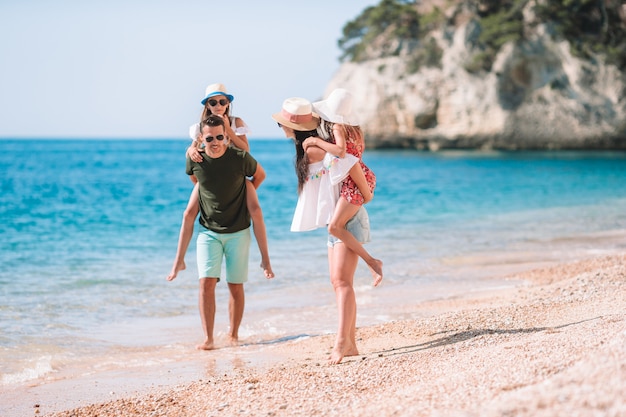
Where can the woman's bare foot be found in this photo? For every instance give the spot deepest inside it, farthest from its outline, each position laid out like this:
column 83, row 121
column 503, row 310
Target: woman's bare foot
column 339, row 352
column 176, row 269
column 207, row 345
column 234, row 341
column 267, row 270
column 377, row 271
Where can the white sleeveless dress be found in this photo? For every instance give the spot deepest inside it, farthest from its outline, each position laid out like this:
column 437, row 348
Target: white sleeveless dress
column 317, row 200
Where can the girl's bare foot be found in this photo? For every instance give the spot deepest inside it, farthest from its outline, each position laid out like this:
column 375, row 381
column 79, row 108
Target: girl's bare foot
column 267, row 270
column 207, row 345
column 176, row 269
column 376, row 268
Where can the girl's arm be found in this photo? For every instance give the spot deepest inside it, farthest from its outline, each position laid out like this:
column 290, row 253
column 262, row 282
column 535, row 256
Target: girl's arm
column 338, row 148
column 239, row 141
column 331, row 148
column 193, row 151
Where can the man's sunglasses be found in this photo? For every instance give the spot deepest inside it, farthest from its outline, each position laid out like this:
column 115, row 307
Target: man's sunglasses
column 214, row 102
column 209, row 139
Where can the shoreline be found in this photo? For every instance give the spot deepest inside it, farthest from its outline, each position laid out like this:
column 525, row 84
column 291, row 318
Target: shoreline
column 553, row 345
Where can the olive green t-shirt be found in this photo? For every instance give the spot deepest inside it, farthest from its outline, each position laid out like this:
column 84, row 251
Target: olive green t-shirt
column 223, row 189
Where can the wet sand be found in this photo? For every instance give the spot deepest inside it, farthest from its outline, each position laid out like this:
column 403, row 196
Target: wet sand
column 553, row 344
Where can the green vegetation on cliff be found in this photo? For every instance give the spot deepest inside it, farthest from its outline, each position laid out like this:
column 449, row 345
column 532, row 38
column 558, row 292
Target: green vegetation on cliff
column 594, row 28
column 591, row 26
column 391, row 19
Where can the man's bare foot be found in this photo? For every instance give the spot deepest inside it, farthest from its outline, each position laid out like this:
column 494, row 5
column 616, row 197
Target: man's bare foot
column 207, row 345
column 267, row 270
column 176, row 269
column 234, row 341
column 377, row 271
column 339, row 352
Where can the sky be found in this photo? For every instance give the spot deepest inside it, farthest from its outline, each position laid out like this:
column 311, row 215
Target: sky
column 138, row 69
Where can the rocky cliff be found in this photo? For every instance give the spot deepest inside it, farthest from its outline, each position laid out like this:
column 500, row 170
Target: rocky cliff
column 536, row 95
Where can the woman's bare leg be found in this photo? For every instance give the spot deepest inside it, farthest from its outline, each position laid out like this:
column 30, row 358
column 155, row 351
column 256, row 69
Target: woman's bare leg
column 186, row 233
column 343, row 262
column 344, row 211
column 258, row 225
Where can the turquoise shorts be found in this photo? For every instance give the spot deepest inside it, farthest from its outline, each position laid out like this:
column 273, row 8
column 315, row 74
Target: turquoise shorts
column 358, row 225
column 212, row 247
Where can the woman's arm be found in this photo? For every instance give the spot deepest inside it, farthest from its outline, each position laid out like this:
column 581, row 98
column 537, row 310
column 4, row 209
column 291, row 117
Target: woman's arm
column 314, row 154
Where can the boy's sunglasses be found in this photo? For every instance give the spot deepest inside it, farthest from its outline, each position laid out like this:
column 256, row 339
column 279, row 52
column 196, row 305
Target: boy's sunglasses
column 209, row 139
column 214, row 102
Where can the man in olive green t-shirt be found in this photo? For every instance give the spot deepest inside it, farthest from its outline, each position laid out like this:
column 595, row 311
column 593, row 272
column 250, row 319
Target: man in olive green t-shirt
column 225, row 223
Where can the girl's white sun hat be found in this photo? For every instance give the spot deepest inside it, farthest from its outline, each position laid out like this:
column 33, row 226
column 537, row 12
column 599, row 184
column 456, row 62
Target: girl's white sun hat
column 337, row 108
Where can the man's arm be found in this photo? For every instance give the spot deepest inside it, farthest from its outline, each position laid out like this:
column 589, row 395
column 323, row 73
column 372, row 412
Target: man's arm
column 259, row 176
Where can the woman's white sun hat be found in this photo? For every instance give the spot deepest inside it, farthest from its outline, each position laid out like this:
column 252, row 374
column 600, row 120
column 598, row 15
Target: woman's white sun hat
column 216, row 89
column 337, row 108
column 297, row 113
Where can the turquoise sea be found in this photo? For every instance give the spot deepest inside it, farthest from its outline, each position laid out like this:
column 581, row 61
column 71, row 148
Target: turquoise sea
column 88, row 232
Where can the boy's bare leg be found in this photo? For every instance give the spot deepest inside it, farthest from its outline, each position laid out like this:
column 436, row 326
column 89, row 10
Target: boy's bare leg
column 206, row 304
column 258, row 226
column 186, row 233
column 344, row 211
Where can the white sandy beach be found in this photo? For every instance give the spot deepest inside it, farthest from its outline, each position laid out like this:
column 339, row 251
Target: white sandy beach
column 555, row 345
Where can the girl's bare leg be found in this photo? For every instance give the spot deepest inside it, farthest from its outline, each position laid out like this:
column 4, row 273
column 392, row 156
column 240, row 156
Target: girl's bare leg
column 186, row 232
column 343, row 262
column 258, row 224
column 358, row 176
column 344, row 211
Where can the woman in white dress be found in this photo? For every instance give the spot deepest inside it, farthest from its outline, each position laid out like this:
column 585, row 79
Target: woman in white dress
column 319, row 175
